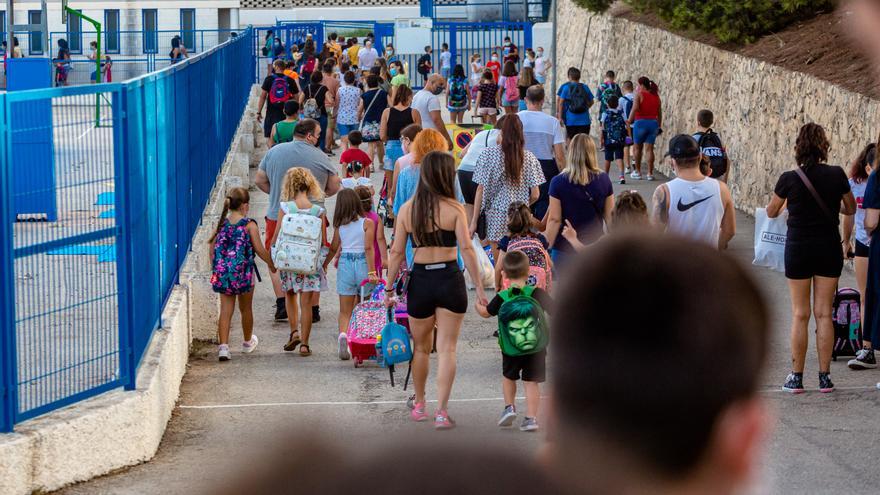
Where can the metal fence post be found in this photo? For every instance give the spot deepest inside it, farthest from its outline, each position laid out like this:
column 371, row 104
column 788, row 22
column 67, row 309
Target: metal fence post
column 8, row 349
column 453, row 44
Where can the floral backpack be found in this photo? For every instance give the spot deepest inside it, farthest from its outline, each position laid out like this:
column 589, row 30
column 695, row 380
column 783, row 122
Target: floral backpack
column 368, row 316
column 540, row 266
column 233, row 270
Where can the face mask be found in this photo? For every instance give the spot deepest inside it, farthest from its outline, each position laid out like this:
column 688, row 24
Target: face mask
column 540, row 53
column 494, row 58
column 506, row 43
column 437, row 90
column 393, row 71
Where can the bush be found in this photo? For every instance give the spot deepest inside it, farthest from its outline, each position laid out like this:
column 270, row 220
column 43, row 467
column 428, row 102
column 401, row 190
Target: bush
column 728, row 20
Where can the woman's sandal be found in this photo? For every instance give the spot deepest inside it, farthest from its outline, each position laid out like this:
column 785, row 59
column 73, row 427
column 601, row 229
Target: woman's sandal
column 305, row 350
column 293, row 341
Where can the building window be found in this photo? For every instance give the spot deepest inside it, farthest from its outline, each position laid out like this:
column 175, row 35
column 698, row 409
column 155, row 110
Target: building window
column 35, row 38
column 111, row 31
column 188, row 28
column 151, row 34
column 74, row 33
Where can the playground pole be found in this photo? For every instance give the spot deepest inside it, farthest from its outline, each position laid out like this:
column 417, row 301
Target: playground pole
column 97, row 26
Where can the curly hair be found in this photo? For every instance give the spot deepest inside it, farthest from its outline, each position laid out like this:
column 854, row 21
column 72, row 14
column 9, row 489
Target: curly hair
column 298, row 180
column 630, row 211
column 427, row 141
column 812, row 146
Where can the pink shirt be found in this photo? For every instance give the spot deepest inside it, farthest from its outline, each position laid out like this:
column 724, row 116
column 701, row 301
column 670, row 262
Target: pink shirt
column 377, row 224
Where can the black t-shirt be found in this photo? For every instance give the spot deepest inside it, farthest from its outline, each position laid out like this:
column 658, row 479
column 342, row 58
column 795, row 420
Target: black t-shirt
column 319, row 93
column 539, row 295
column 805, row 217
column 275, row 111
column 424, row 64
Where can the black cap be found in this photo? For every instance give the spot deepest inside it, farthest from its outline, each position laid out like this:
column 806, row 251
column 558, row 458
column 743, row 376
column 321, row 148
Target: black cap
column 683, row 147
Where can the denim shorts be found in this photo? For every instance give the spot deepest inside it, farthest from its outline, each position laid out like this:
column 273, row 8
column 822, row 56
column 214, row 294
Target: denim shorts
column 351, row 272
column 393, row 152
column 645, row 131
column 344, row 129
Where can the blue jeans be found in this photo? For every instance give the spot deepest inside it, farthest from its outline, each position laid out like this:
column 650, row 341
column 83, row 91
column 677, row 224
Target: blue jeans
column 323, row 137
column 393, row 152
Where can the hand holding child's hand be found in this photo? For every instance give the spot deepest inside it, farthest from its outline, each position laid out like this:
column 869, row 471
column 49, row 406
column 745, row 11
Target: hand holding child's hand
column 272, row 267
column 569, row 233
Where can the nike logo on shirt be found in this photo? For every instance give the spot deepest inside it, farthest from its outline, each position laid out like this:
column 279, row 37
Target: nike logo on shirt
column 685, row 207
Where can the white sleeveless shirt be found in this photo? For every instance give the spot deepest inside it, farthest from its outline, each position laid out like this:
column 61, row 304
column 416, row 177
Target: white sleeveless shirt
column 351, row 237
column 695, row 209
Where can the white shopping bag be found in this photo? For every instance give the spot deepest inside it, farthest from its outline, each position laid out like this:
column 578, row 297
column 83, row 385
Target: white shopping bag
column 770, row 236
column 487, row 271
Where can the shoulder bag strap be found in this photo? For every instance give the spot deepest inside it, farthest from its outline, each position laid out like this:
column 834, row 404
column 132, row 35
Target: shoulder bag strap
column 368, row 108
column 809, row 186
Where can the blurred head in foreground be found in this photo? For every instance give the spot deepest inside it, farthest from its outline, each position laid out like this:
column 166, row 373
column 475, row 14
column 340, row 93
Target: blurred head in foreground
column 663, row 398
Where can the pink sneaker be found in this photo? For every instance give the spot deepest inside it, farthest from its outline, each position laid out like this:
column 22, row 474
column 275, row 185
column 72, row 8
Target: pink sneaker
column 442, row 421
column 418, row 413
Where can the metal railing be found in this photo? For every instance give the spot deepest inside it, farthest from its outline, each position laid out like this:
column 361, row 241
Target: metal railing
column 98, row 218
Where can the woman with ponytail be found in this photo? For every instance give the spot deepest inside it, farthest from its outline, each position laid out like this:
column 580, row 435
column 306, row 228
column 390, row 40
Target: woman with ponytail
column 646, row 120
column 816, row 195
column 233, row 246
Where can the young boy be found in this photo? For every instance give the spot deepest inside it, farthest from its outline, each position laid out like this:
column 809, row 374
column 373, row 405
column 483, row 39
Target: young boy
column 355, row 154
column 525, row 324
column 445, row 61
column 613, row 136
column 424, row 65
column 711, row 146
column 494, row 65
column 626, row 104
column 606, row 90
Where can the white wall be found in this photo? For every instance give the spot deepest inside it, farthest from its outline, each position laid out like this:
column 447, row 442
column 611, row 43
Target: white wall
column 267, row 17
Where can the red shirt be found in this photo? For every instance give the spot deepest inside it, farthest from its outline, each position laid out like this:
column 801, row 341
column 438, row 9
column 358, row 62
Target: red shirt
column 649, row 108
column 356, row 155
column 495, row 67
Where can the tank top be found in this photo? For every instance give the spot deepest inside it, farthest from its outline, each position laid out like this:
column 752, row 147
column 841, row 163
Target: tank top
column 351, row 237
column 397, row 120
column 695, row 209
column 284, row 131
column 650, row 106
column 377, row 255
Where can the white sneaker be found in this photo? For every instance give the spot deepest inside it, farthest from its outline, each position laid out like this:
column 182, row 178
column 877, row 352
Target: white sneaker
column 223, row 352
column 342, row 347
column 248, row 347
column 649, row 178
column 635, row 175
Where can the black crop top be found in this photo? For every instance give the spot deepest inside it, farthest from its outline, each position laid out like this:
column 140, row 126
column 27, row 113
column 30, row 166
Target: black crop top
column 448, row 239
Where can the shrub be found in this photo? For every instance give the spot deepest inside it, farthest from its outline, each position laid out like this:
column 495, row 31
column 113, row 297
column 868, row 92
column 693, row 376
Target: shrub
column 728, row 20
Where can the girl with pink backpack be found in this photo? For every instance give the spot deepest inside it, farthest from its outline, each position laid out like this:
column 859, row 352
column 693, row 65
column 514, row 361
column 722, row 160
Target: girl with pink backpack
column 533, row 244
column 509, row 82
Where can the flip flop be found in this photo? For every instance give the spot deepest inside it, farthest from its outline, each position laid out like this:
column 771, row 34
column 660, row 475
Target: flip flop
column 305, row 350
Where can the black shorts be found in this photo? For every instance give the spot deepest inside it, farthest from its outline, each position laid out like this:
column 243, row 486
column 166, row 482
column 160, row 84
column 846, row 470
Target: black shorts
column 573, row 130
column 862, row 250
column 436, row 285
column 613, row 152
column 808, row 258
column 468, row 186
column 530, row 368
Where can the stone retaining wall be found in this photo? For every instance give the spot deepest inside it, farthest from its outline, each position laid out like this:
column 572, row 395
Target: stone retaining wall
column 758, row 107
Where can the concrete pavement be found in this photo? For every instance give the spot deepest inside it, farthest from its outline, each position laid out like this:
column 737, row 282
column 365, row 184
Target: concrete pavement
column 821, row 443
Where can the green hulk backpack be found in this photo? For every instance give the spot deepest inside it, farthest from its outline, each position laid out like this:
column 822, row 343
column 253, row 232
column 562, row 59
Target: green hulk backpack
column 522, row 327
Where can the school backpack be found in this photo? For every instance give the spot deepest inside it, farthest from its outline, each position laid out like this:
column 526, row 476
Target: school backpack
column 311, row 109
column 846, row 316
column 424, row 64
column 606, row 91
column 522, row 327
column 233, row 258
column 577, row 98
column 511, row 89
column 298, row 247
column 626, row 104
column 615, row 128
column 309, row 65
column 540, row 267
column 711, row 148
column 458, row 96
column 279, row 92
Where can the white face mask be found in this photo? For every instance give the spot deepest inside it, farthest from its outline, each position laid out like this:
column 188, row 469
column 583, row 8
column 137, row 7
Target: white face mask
column 494, row 58
column 540, row 53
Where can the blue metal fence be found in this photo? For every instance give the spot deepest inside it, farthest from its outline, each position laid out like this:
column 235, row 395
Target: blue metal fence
column 88, row 282
column 464, row 40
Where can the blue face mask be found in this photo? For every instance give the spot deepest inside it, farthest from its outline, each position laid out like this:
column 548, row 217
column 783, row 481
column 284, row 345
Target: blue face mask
column 393, row 71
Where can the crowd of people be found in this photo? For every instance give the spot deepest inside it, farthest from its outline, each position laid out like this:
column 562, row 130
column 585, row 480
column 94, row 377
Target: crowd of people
column 532, row 188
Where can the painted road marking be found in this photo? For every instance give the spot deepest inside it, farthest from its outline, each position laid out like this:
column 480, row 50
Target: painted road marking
column 333, row 403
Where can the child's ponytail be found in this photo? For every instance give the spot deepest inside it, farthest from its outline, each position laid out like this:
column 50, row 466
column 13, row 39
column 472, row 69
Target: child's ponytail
column 235, row 199
column 519, row 219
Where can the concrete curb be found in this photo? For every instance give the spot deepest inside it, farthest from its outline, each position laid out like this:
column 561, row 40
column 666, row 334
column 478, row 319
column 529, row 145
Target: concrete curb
column 119, row 428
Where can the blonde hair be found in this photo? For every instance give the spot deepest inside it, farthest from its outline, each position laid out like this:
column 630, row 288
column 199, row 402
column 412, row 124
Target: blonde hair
column 298, row 180
column 527, row 77
column 427, row 141
column 583, row 164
